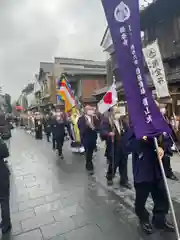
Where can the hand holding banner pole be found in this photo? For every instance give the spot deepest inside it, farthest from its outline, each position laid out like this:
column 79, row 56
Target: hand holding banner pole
column 160, row 156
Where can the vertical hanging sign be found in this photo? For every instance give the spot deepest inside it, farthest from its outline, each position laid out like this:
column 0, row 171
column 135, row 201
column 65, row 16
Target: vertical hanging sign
column 155, row 64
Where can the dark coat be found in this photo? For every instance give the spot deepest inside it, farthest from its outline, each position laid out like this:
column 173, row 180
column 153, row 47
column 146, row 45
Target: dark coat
column 4, row 171
column 118, row 145
column 58, row 129
column 38, row 128
column 144, row 159
column 88, row 136
column 5, row 132
column 97, row 122
column 5, row 128
column 105, row 129
column 47, row 125
column 166, row 143
column 38, row 122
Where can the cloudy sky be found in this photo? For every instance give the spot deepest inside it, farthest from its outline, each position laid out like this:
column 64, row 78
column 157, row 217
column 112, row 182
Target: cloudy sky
column 38, row 30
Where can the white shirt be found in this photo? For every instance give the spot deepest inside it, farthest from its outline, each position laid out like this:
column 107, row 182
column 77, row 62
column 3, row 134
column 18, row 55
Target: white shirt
column 89, row 118
column 116, row 123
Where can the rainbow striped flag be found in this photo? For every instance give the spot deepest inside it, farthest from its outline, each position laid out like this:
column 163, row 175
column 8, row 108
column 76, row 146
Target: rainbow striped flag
column 64, row 92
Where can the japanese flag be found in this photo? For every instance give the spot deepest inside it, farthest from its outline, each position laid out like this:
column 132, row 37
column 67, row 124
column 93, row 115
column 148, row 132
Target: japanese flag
column 109, row 100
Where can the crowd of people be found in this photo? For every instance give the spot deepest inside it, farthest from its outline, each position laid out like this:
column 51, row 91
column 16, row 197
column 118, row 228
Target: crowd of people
column 83, row 128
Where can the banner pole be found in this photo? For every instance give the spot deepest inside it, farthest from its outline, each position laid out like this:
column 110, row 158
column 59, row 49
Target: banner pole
column 113, row 158
column 167, row 190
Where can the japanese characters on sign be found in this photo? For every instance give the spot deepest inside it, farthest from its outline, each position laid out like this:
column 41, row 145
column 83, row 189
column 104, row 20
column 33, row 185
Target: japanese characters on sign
column 154, row 61
column 124, row 39
column 141, row 86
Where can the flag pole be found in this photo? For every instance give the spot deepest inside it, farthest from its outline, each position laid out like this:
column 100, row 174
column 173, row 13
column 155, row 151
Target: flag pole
column 167, row 190
column 113, row 158
column 113, row 147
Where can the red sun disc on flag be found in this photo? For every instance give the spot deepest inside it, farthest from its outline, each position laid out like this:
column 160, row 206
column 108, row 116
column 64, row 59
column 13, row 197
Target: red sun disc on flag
column 108, row 98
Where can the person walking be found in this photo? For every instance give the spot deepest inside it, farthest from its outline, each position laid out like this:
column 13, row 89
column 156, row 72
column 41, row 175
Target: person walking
column 5, row 129
column 113, row 131
column 4, row 188
column 47, row 127
column 88, row 134
column 58, row 124
column 148, row 180
column 38, row 126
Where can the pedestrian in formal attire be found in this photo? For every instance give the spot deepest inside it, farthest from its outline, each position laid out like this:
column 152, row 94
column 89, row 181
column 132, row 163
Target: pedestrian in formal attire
column 148, row 180
column 5, row 130
column 88, row 134
column 4, row 187
column 38, row 126
column 113, row 132
column 58, row 125
column 10, row 127
column 47, row 126
column 167, row 143
column 53, row 129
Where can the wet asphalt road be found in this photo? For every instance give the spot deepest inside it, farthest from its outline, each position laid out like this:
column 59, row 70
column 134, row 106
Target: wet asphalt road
column 56, row 199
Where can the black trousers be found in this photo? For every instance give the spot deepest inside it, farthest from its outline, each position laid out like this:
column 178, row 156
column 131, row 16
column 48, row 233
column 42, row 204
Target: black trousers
column 5, row 210
column 89, row 156
column 54, row 146
column 48, row 134
column 123, row 168
column 38, row 133
column 4, row 197
column 160, row 199
column 167, row 166
column 120, row 161
column 59, row 143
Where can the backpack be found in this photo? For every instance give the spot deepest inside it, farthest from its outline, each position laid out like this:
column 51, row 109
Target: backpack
column 4, row 152
column 5, row 132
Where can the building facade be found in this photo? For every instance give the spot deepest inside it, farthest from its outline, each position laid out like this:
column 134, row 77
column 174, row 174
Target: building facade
column 47, row 84
column 164, row 26
column 85, row 76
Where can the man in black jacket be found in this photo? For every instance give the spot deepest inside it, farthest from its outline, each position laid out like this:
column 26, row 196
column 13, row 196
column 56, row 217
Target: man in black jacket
column 38, row 126
column 47, row 126
column 4, row 189
column 88, row 133
column 58, row 124
column 5, row 130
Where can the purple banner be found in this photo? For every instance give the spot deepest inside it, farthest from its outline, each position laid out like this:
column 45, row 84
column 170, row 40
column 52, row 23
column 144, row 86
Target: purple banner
column 124, row 23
